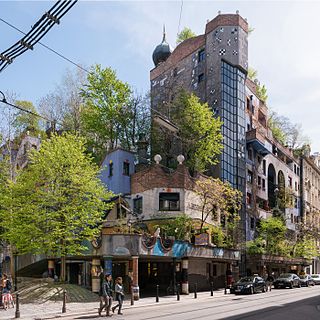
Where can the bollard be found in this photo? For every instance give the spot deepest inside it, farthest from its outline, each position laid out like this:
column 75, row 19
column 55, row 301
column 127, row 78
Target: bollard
column 64, row 309
column 225, row 287
column 211, row 288
column 157, row 293
column 178, row 292
column 17, row 315
column 195, row 290
column 132, row 300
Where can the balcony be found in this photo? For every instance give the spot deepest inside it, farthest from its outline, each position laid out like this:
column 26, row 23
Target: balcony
column 257, row 141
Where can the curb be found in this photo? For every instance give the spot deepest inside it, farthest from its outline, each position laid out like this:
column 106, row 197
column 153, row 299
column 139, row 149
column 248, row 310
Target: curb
column 170, row 300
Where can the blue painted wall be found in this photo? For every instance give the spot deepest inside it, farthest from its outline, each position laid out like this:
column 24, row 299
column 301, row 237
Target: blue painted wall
column 118, row 182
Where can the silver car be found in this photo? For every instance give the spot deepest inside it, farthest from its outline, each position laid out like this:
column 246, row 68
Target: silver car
column 316, row 278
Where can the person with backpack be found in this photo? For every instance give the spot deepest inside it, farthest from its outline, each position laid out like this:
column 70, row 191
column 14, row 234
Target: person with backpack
column 7, row 299
column 5, row 284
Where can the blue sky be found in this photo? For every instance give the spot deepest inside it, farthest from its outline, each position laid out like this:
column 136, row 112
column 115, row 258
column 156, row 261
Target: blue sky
column 284, row 46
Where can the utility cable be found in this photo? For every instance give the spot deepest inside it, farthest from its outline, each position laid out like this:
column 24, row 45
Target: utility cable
column 180, row 17
column 37, row 32
column 4, row 100
column 47, row 47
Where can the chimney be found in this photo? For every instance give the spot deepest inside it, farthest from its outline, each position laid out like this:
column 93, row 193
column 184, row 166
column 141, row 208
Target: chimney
column 142, row 149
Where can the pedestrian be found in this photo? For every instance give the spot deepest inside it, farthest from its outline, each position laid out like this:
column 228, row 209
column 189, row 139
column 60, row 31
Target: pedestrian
column 106, row 295
column 119, row 295
column 269, row 280
column 6, row 296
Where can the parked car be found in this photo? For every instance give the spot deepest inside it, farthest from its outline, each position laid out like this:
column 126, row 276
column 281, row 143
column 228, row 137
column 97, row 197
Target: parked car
column 316, row 278
column 287, row 280
column 249, row 285
column 306, row 280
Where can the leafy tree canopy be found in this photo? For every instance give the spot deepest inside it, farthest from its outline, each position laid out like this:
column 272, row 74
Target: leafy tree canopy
column 25, row 121
column 57, row 201
column 286, row 132
column 200, row 131
column 185, row 34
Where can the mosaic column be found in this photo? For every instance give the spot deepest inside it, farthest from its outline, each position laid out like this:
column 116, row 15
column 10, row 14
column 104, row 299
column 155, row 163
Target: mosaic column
column 184, row 277
column 95, row 272
column 135, row 275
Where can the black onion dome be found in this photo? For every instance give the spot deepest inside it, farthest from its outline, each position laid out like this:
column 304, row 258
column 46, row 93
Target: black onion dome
column 162, row 51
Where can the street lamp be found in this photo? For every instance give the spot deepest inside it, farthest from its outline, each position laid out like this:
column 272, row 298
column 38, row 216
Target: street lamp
column 17, row 313
column 276, row 210
column 129, row 224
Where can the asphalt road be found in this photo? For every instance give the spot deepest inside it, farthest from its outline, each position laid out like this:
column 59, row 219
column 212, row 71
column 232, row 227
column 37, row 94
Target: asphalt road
column 281, row 304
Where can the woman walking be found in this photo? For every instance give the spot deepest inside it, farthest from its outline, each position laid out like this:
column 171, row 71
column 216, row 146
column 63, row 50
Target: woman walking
column 119, row 295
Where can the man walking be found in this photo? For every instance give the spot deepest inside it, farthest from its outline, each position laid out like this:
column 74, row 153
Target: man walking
column 106, row 297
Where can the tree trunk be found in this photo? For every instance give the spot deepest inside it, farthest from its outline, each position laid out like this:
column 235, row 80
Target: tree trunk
column 63, row 272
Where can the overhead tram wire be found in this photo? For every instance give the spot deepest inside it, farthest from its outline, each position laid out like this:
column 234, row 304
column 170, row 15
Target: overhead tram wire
column 180, row 17
column 47, row 47
column 40, row 27
column 37, row 32
column 4, row 101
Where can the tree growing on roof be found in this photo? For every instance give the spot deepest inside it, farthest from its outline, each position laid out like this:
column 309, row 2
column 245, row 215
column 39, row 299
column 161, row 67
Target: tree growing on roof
column 185, row 34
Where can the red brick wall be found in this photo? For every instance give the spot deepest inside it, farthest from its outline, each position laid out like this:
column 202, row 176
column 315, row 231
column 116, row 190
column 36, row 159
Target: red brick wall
column 180, row 52
column 156, row 177
column 227, row 20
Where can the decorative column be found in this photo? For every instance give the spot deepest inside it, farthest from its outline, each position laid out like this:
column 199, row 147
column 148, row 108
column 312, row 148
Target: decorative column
column 95, row 272
column 107, row 265
column 135, row 280
column 50, row 268
column 184, row 277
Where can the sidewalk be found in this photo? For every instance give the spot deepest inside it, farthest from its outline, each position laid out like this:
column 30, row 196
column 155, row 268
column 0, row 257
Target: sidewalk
column 52, row 310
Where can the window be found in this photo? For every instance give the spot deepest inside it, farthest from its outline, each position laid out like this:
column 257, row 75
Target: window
column 290, row 182
column 223, row 220
column 249, row 198
column 201, row 55
column 200, row 77
column 169, row 201
column 121, row 213
column 137, row 205
column 263, row 184
column 296, row 185
column 249, row 176
column 126, row 168
column 264, row 165
column 252, row 223
column 110, row 169
column 259, row 182
column 250, row 154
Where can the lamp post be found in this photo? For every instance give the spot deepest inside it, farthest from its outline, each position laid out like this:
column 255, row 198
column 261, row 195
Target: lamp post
column 17, row 313
column 276, row 210
column 129, row 224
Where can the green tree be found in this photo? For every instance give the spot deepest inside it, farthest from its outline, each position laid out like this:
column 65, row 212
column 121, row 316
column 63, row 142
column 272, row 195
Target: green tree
column 105, row 112
column 286, row 132
column 272, row 238
column 180, row 227
column 64, row 103
column 185, row 34
column 306, row 247
column 57, row 201
column 252, row 74
column 262, row 93
column 25, row 121
column 216, row 199
column 199, row 131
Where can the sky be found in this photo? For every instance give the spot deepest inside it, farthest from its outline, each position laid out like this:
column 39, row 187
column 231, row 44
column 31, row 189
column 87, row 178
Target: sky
column 284, row 47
